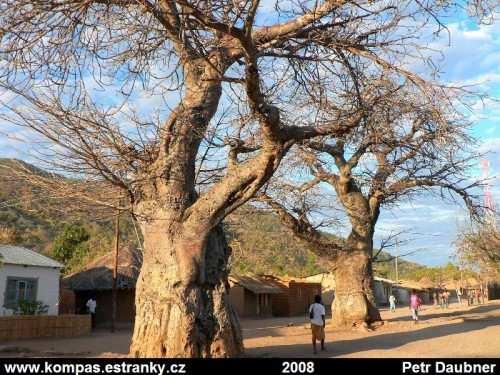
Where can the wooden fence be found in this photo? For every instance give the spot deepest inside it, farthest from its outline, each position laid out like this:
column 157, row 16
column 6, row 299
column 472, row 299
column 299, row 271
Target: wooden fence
column 38, row 326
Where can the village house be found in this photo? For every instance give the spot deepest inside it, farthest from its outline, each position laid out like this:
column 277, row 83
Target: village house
column 26, row 275
column 403, row 288
column 96, row 281
column 493, row 290
column 296, row 297
column 251, row 296
column 382, row 288
column 327, row 281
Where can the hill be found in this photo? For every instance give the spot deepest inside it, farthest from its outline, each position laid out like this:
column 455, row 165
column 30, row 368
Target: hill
column 259, row 242
column 23, row 217
column 29, row 218
column 262, row 245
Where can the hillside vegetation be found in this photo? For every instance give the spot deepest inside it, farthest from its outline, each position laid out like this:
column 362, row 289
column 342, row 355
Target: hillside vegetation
column 258, row 241
column 29, row 218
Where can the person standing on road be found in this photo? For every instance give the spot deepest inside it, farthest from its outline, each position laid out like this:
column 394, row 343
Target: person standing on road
column 478, row 296
column 446, row 296
column 459, row 295
column 91, row 306
column 317, row 317
column 471, row 297
column 392, row 302
column 415, row 303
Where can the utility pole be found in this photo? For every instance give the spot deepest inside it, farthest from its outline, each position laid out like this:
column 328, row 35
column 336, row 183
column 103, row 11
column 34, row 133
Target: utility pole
column 396, row 262
column 115, row 271
column 461, row 275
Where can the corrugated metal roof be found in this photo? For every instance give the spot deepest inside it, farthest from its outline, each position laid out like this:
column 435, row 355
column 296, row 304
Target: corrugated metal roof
column 387, row 281
column 20, row 255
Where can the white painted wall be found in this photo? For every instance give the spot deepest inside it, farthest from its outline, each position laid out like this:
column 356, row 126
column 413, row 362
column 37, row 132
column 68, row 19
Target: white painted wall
column 48, row 284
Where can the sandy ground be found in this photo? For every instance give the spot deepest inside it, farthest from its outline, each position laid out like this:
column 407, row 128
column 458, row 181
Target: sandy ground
column 459, row 331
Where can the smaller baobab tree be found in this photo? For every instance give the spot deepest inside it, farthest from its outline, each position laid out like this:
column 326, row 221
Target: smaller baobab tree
column 479, row 247
column 408, row 145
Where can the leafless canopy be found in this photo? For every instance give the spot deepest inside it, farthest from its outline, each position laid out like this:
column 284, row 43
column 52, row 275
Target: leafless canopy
column 407, row 145
column 237, row 70
column 480, row 248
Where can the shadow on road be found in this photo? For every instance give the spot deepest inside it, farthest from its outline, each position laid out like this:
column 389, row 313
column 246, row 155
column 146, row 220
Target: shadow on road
column 448, row 313
column 380, row 341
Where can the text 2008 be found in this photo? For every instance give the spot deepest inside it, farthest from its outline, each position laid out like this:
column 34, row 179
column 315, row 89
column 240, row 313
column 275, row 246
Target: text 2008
column 297, row 367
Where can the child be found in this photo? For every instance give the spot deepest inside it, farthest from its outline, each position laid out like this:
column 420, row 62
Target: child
column 415, row 303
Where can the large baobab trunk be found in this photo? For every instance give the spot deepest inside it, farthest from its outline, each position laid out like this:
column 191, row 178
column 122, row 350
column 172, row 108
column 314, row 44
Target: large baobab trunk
column 182, row 301
column 182, row 304
column 354, row 303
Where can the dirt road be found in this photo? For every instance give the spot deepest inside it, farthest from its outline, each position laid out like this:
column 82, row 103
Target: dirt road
column 457, row 332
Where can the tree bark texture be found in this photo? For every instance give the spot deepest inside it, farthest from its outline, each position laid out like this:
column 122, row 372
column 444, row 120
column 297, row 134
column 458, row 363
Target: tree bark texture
column 182, row 300
column 354, row 303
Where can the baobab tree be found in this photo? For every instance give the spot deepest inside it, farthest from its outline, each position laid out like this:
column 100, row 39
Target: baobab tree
column 479, row 247
column 78, row 74
column 406, row 146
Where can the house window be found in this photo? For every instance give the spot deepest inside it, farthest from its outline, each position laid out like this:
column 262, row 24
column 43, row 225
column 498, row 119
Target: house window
column 19, row 289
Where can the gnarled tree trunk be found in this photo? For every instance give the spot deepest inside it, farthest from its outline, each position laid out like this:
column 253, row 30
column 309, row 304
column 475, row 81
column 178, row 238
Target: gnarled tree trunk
column 182, row 304
column 354, row 303
column 182, row 301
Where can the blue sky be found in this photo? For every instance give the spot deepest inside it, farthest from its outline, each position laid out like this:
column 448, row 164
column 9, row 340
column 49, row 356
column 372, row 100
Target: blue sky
column 471, row 55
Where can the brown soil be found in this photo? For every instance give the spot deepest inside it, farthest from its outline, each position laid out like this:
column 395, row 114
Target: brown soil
column 460, row 331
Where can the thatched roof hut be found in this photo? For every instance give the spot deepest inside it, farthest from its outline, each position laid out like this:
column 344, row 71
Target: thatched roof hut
column 472, row 282
column 98, row 275
column 409, row 284
column 450, row 284
column 427, row 283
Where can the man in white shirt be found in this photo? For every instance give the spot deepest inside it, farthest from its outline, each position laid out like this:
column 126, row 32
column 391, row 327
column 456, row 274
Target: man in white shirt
column 91, row 306
column 317, row 316
column 392, row 302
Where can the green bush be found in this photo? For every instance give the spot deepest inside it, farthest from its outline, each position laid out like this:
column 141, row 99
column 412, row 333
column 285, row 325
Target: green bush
column 31, row 308
column 71, row 243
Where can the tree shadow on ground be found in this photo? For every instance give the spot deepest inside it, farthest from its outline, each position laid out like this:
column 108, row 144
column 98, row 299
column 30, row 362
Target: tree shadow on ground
column 376, row 342
column 448, row 313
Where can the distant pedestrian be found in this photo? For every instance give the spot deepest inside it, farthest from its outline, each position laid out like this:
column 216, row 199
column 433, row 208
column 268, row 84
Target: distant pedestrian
column 446, row 297
column 470, row 297
column 392, row 302
column 415, row 303
column 478, row 296
column 317, row 317
column 91, row 307
column 441, row 299
column 435, row 298
column 459, row 295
